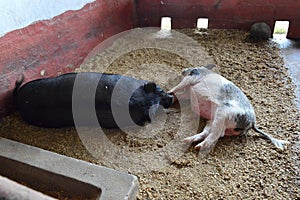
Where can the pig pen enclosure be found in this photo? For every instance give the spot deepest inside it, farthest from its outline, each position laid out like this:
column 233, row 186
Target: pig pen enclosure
column 243, row 167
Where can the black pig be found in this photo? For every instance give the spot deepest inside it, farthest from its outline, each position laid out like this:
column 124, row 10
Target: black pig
column 48, row 102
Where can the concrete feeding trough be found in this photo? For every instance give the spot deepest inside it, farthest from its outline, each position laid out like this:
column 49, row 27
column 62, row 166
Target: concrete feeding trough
column 63, row 177
column 12, row 190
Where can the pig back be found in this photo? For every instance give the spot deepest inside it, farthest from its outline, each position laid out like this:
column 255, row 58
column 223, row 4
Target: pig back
column 47, row 102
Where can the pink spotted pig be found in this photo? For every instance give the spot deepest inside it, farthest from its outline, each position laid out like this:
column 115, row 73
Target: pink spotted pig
column 223, row 104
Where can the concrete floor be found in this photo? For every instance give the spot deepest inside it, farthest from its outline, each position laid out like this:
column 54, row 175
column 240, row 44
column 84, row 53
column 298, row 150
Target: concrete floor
column 290, row 51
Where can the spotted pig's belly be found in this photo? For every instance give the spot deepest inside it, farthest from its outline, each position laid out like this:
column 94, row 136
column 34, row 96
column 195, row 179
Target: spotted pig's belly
column 204, row 108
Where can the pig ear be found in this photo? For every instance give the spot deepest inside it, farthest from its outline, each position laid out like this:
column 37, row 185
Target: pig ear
column 149, row 87
column 210, row 66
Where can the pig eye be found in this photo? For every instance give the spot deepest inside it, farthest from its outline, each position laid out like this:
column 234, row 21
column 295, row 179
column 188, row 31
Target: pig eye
column 194, row 72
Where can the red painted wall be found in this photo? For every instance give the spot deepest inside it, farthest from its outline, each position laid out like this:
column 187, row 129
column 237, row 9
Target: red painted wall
column 59, row 45
column 236, row 14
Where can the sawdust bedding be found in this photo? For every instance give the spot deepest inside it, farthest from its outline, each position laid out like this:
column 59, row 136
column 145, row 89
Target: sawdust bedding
column 244, row 167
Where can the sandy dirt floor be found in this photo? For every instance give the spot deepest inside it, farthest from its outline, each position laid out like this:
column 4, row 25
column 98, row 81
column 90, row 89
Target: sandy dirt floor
column 244, row 167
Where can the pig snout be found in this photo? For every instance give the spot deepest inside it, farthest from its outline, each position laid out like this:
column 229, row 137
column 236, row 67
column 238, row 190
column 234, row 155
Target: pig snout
column 146, row 101
column 174, row 98
column 167, row 100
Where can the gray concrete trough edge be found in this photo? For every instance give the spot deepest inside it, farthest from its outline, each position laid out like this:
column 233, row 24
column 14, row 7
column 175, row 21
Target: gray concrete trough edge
column 115, row 185
column 12, row 190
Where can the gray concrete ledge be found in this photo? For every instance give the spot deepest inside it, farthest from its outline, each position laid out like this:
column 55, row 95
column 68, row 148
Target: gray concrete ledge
column 38, row 168
column 11, row 190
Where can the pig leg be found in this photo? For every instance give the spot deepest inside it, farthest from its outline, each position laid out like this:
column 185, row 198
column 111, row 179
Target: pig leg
column 217, row 130
column 187, row 81
column 200, row 136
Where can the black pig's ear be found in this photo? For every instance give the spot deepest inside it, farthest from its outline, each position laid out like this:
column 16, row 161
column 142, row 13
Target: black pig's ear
column 149, row 87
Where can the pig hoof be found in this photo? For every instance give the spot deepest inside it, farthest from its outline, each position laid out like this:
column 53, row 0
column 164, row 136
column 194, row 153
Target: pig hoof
column 189, row 139
column 198, row 147
column 196, row 138
column 192, row 139
column 203, row 146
